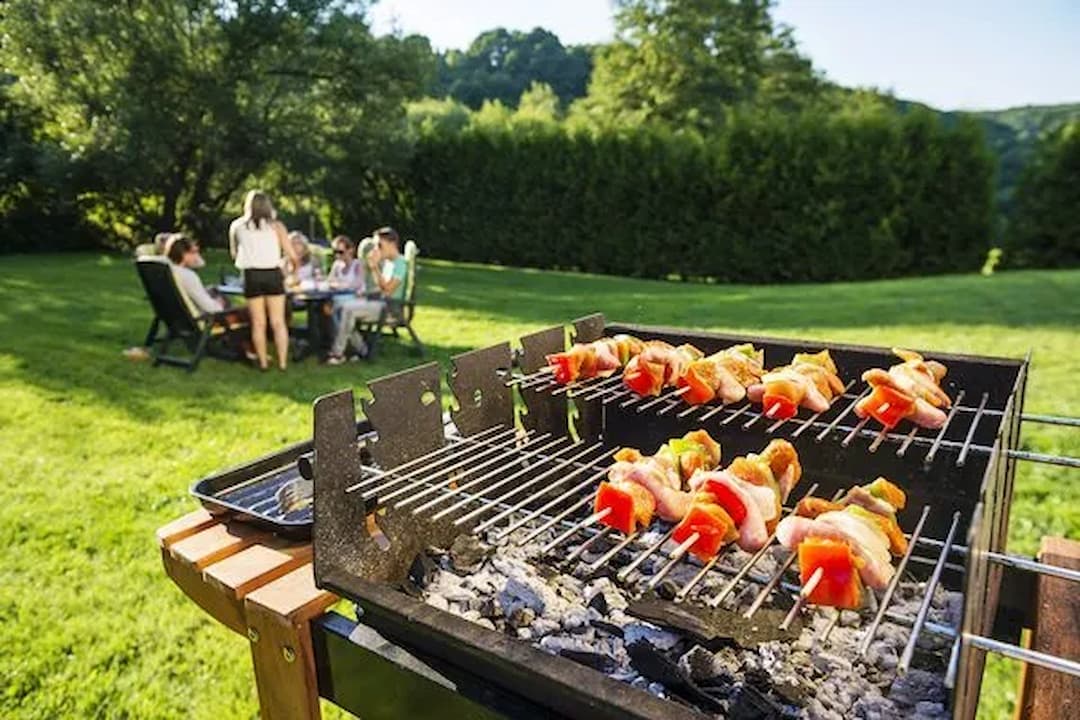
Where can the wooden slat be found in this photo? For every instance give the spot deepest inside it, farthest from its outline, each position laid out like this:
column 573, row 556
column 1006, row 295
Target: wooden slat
column 293, row 596
column 255, row 566
column 214, row 543
column 1047, row 695
column 184, row 526
column 278, row 616
column 223, row 607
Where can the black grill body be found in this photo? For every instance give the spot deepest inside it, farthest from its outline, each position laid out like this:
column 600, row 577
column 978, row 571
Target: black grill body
column 363, row 548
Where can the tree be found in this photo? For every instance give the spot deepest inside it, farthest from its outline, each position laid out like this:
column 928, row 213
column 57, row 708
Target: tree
column 173, row 105
column 501, row 64
column 1044, row 230
column 685, row 63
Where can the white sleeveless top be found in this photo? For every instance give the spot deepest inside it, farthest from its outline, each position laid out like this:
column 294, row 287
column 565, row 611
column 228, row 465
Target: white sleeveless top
column 256, row 248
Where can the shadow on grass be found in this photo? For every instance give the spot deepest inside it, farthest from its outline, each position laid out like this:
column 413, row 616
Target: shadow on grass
column 64, row 320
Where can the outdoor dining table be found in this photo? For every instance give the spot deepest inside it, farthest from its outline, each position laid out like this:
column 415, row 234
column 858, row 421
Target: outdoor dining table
column 313, row 300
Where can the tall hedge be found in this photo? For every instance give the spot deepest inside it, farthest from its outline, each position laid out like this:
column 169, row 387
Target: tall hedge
column 1044, row 230
column 768, row 199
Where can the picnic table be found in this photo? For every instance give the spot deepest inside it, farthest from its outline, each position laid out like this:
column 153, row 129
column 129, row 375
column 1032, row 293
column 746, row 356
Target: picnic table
column 313, row 299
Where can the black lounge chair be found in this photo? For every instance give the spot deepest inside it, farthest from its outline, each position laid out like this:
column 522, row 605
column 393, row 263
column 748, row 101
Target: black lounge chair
column 176, row 319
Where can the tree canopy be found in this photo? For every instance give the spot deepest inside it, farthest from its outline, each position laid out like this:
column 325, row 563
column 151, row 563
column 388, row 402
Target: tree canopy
column 1044, row 230
column 501, row 64
column 169, row 106
column 686, row 63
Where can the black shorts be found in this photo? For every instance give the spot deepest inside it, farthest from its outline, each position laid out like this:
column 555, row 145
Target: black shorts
column 259, row 282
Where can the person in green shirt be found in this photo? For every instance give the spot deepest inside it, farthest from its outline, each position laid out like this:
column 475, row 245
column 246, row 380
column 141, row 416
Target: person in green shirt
column 389, row 270
column 388, row 265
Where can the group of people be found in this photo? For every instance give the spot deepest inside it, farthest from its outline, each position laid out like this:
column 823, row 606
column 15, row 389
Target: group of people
column 269, row 257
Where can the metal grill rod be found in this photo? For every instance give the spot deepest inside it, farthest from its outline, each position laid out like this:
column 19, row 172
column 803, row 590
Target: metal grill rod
column 504, row 481
column 840, row 416
column 615, row 550
column 499, row 461
column 928, row 597
column 1051, row 420
column 868, row 636
column 459, row 445
column 971, row 431
column 642, row 556
column 521, row 504
column 467, row 465
column 1033, row 657
column 570, row 531
column 494, row 502
column 551, row 521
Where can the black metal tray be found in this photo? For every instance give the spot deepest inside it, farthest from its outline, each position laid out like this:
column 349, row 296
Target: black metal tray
column 248, row 491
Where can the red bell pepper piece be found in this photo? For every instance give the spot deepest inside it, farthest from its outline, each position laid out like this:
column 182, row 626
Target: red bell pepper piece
column 889, row 406
column 726, row 499
column 701, row 391
column 567, row 366
column 643, row 377
column 629, row 504
column 713, row 525
column 839, row 586
column 778, row 407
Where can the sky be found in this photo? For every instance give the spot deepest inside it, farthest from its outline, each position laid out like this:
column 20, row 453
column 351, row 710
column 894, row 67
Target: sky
column 952, row 54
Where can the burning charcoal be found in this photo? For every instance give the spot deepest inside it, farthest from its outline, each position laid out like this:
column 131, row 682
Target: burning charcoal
column 524, row 633
column 654, row 665
column 608, row 627
column 828, row 663
column 423, row 570
column 660, row 639
column 700, row 665
column 521, row 617
column 467, row 553
column 580, row 651
column 518, row 594
column 613, row 597
column 668, row 589
column 543, row 626
column 599, row 603
column 883, row 655
column 929, row 710
column 749, row 703
column 487, row 607
column 873, row 706
column 849, row 618
column 818, row 711
column 575, row 618
column 439, row 602
column 916, row 686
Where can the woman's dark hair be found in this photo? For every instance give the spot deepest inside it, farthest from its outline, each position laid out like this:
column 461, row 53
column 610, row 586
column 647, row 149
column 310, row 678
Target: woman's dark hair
column 257, row 208
column 389, row 234
column 344, row 239
column 179, row 246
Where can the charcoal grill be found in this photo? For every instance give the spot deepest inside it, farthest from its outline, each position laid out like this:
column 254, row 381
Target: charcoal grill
column 531, row 474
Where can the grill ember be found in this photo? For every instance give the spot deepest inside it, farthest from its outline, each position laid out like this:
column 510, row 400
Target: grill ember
column 476, row 547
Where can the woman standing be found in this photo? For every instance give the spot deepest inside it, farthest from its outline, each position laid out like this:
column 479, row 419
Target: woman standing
column 257, row 241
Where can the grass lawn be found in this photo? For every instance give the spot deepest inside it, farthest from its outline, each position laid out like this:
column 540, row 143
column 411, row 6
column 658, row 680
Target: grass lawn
column 99, row 451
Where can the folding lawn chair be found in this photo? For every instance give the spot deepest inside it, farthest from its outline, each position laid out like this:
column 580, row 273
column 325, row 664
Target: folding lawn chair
column 177, row 319
column 399, row 313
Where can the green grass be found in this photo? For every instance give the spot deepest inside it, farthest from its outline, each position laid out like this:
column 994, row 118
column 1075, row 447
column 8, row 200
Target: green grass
column 98, row 451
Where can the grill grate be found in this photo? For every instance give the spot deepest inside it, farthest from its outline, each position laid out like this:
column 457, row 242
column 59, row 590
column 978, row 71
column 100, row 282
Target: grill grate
column 962, row 422
column 530, row 458
column 536, row 484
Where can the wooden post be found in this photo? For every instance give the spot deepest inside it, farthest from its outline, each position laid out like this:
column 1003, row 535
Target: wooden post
column 1045, row 694
column 278, row 616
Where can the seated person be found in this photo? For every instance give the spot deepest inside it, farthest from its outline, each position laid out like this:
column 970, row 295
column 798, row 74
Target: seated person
column 306, row 270
column 347, row 273
column 184, row 255
column 388, row 268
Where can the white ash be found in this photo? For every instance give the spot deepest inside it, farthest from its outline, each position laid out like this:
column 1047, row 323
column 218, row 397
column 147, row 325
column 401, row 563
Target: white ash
column 515, row 592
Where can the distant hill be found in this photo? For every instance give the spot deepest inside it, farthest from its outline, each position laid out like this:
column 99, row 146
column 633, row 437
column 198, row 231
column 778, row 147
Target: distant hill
column 1011, row 134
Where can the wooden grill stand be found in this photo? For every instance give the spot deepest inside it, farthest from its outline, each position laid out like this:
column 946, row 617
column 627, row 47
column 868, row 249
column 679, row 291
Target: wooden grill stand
column 259, row 586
